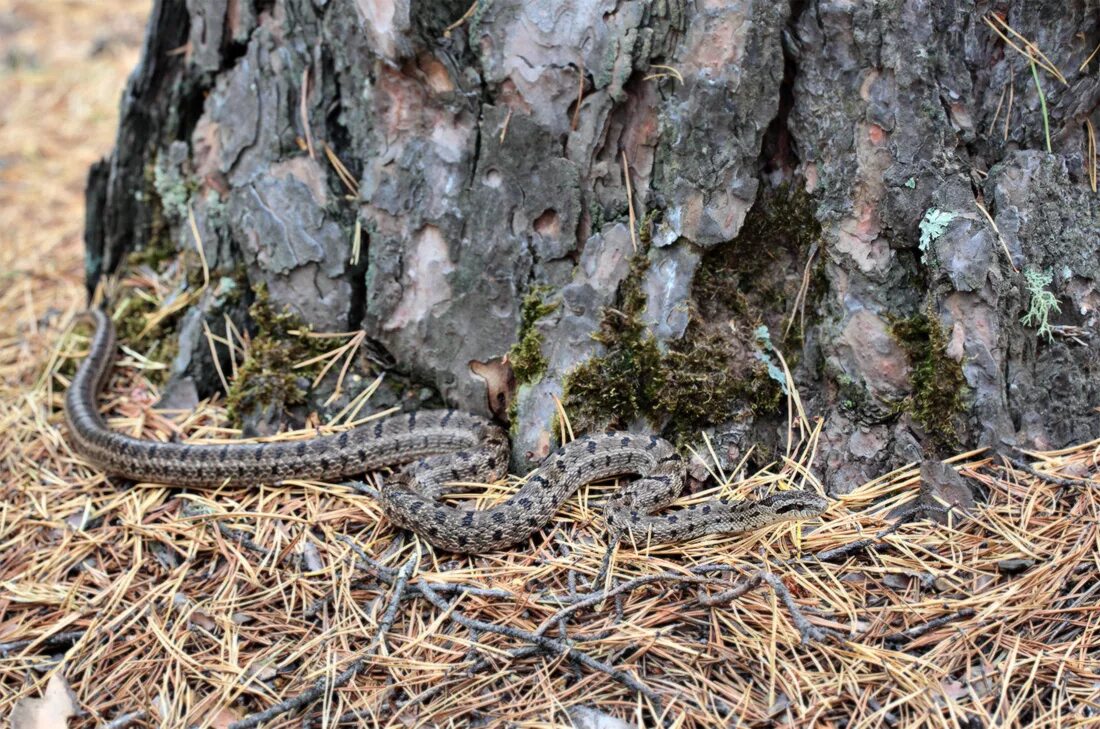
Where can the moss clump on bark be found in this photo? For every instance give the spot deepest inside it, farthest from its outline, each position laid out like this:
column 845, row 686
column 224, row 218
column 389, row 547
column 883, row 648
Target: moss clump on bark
column 526, row 357
column 267, row 377
column 158, row 343
column 622, row 384
column 132, row 313
column 703, row 378
column 757, row 276
column 691, row 386
column 702, row 386
column 939, row 388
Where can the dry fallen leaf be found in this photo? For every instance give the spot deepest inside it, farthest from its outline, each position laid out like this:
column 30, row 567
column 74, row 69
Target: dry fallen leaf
column 52, row 711
column 224, row 718
column 500, row 382
column 203, row 620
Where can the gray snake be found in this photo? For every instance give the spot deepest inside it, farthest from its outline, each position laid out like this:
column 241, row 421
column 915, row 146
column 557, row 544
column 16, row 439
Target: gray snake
column 436, row 448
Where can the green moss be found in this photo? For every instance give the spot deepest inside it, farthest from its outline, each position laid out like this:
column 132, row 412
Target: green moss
column 623, row 383
column 528, row 362
column 939, row 388
column 762, row 393
column 702, row 386
column 267, row 377
column 132, row 312
column 596, row 216
column 852, row 397
column 696, row 383
column 645, row 228
column 134, row 306
column 707, row 375
column 757, row 276
column 131, row 316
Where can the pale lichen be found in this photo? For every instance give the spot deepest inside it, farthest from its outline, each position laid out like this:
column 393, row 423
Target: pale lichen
column 1042, row 302
column 932, row 226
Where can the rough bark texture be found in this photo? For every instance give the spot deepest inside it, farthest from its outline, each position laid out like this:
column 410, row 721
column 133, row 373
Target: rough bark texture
column 489, row 162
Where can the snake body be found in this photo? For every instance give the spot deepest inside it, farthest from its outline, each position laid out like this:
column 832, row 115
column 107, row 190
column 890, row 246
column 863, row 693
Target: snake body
column 436, row 448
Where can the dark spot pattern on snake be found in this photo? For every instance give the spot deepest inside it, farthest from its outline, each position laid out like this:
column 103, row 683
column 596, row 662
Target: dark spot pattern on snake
column 439, row 442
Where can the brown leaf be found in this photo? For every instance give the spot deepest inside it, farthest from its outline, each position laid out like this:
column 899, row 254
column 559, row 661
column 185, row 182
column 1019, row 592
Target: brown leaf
column 52, row 711
column 500, row 382
column 198, row 617
column 224, row 718
column 264, row 672
column 954, row 690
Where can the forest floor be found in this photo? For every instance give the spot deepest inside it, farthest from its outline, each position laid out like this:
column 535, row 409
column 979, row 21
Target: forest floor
column 149, row 606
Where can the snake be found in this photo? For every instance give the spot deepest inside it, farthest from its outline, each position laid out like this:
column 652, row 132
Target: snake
column 433, row 453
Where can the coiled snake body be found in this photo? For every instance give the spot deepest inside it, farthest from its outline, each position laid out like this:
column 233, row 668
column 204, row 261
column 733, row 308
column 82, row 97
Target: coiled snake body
column 436, row 447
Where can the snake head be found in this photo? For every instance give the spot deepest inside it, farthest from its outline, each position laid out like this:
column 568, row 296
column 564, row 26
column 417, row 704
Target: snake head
column 794, row 504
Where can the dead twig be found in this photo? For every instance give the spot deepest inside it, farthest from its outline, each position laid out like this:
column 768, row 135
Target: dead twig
column 323, row 686
column 1059, row 481
column 192, row 510
column 543, row 642
column 919, row 630
column 57, row 639
column 808, row 632
column 386, row 575
column 845, row 551
column 601, row 595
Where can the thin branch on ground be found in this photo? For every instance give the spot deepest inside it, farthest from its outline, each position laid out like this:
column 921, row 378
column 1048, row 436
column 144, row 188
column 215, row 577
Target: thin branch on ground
column 57, row 639
column 605, row 564
column 385, row 575
column 194, row 511
column 919, row 630
column 600, row 595
column 323, row 685
column 808, row 632
column 1060, row 481
column 541, row 641
column 845, row 551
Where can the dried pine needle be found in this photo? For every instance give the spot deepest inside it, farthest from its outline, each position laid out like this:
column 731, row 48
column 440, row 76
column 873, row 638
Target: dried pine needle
column 167, row 608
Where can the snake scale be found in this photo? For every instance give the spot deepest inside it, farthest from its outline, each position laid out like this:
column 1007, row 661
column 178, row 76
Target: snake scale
column 436, row 448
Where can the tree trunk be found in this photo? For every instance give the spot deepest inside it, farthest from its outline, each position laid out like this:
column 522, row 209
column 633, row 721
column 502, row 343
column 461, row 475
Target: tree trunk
column 664, row 212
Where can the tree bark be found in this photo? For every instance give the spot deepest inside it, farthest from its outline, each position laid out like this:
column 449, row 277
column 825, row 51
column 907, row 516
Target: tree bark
column 646, row 207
